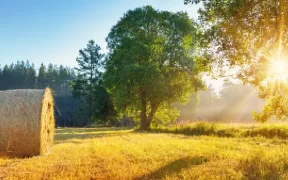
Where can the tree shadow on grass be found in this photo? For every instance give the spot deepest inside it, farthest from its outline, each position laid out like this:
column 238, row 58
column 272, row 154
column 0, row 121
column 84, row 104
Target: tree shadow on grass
column 60, row 138
column 175, row 167
column 75, row 134
column 84, row 130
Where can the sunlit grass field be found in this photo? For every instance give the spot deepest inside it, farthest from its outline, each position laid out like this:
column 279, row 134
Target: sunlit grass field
column 113, row 153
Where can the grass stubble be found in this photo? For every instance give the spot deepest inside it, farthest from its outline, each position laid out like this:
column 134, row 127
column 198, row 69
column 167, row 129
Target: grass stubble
column 113, row 153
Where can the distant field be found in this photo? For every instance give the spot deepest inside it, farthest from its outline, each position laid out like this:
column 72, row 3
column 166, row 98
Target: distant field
column 111, row 153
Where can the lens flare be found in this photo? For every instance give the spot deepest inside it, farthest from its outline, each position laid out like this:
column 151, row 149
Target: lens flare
column 278, row 69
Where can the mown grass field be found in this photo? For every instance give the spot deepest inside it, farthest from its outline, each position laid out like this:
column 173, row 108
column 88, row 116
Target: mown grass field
column 111, row 153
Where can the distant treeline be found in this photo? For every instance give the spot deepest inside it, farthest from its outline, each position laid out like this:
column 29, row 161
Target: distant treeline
column 24, row 75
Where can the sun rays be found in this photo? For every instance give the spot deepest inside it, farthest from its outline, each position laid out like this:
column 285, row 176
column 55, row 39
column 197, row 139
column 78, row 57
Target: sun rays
column 239, row 107
column 278, row 70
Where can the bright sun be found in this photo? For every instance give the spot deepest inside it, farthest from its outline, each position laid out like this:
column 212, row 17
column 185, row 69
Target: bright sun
column 278, row 69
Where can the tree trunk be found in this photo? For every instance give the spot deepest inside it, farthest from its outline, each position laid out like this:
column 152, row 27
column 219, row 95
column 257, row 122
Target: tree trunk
column 90, row 107
column 90, row 96
column 154, row 107
column 144, row 124
column 146, row 121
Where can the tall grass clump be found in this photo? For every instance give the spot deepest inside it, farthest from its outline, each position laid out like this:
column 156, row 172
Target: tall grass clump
column 226, row 130
column 268, row 131
column 199, row 129
column 264, row 165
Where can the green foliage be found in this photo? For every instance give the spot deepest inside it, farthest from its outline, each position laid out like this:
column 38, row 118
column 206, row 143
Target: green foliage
column 90, row 62
column 251, row 35
column 88, row 86
column 89, row 74
column 202, row 128
column 52, row 75
column 268, row 131
column 152, row 62
column 30, row 77
column 19, row 75
column 165, row 115
column 22, row 75
column 42, row 77
column 102, row 105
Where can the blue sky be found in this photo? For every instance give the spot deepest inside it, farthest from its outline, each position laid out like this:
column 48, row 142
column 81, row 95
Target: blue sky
column 53, row 31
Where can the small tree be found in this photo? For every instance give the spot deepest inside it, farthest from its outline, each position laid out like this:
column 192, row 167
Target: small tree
column 89, row 83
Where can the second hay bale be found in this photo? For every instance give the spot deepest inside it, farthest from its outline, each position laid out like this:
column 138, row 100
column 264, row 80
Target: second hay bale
column 26, row 122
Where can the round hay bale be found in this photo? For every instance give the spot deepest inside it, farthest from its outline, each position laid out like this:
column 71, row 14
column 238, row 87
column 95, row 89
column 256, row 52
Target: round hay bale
column 26, row 122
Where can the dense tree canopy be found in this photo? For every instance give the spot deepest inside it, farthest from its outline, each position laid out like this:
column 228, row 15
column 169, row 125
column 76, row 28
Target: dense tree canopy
column 152, row 62
column 252, row 36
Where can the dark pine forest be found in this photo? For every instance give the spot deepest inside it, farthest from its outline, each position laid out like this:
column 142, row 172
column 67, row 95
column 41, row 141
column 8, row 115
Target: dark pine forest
column 24, row 75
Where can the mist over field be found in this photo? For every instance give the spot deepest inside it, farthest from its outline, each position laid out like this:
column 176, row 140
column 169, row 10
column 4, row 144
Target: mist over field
column 234, row 103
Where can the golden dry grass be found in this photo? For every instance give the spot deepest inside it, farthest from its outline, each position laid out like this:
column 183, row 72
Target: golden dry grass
column 111, row 153
column 26, row 122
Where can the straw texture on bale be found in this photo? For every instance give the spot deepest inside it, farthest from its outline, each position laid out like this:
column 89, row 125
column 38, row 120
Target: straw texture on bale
column 26, row 122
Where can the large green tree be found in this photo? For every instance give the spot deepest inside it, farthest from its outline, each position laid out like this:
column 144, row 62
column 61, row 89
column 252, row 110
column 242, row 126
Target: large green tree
column 152, row 62
column 252, row 36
